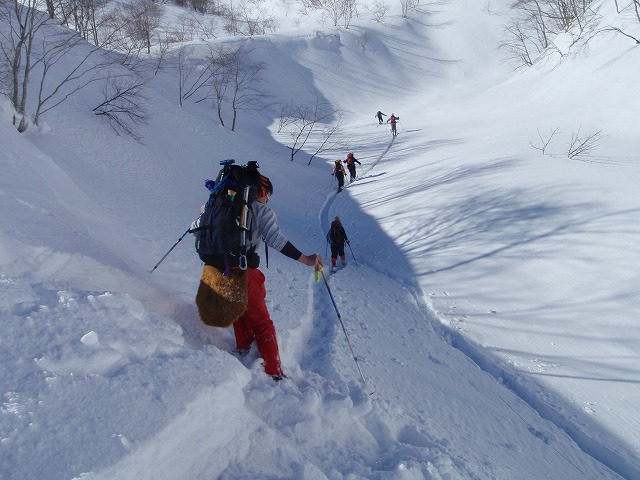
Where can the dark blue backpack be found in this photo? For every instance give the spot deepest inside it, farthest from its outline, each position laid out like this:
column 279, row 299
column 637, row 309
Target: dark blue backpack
column 223, row 236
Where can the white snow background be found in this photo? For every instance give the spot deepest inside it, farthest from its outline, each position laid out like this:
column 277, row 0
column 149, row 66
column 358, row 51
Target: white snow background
column 491, row 294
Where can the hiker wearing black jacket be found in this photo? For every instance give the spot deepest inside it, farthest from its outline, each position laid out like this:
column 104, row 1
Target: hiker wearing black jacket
column 339, row 172
column 337, row 237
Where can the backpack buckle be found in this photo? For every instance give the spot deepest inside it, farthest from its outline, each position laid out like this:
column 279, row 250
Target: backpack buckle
column 242, row 262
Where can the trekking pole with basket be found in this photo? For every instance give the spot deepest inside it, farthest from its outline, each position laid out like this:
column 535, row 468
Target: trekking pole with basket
column 170, row 250
column 344, row 330
column 354, row 257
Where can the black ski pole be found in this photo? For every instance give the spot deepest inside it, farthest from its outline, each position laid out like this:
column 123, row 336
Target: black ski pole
column 354, row 257
column 170, row 250
column 355, row 358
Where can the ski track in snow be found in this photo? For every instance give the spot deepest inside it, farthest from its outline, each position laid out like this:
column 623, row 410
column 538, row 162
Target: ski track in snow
column 398, row 435
column 543, row 402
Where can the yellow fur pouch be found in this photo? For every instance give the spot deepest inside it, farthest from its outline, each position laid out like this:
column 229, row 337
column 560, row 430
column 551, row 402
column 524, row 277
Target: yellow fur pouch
column 221, row 300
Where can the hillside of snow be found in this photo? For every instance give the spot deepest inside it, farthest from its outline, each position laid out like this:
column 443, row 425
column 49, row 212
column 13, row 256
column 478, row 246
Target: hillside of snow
column 491, row 294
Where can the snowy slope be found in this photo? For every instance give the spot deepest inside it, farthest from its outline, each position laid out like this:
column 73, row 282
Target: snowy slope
column 490, row 296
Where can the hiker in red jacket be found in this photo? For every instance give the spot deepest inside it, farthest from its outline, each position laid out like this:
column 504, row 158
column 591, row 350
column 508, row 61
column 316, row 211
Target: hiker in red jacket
column 351, row 165
column 392, row 120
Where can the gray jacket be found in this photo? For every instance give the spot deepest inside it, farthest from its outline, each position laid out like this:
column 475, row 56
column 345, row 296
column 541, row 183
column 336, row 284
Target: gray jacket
column 263, row 224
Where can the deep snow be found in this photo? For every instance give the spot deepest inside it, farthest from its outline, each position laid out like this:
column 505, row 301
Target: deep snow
column 491, row 296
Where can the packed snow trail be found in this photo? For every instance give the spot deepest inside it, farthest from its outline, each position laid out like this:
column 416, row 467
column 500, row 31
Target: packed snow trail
column 543, row 403
column 407, row 321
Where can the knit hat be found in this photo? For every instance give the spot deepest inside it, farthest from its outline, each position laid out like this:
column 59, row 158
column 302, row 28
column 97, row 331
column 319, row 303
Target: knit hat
column 266, row 187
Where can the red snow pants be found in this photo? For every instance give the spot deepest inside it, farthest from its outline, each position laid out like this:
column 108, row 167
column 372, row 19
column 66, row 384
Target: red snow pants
column 255, row 325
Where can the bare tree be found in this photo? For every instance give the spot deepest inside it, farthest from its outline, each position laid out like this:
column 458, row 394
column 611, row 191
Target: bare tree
column 636, row 8
column 183, row 29
column 333, row 10
column 251, row 18
column 124, row 105
column 81, row 15
column 145, row 17
column 327, row 140
column 233, row 78
column 92, row 23
column 379, row 11
column 583, row 145
column 621, row 32
column 245, row 78
column 544, row 141
column 51, row 10
column 527, row 34
column 616, row 29
column 578, row 146
column 218, row 77
column 408, row 7
column 32, row 51
column 536, row 22
column 24, row 21
column 232, row 24
column 517, row 45
column 80, row 71
column 5, row 79
column 191, row 77
column 303, row 120
column 114, row 34
column 617, row 6
column 310, row 5
column 200, row 6
column 205, row 6
column 299, row 121
column 349, row 10
column 190, row 25
column 337, row 10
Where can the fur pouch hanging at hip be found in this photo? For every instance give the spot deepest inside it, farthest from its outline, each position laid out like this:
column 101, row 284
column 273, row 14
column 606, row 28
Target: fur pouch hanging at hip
column 221, row 300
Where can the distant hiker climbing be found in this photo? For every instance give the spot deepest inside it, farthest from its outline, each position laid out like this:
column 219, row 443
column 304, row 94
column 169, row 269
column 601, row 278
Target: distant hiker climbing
column 337, row 237
column 393, row 120
column 351, row 165
column 379, row 116
column 231, row 225
column 339, row 172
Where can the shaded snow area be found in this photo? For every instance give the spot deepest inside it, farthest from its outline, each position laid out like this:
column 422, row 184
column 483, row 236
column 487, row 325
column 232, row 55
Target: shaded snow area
column 485, row 325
